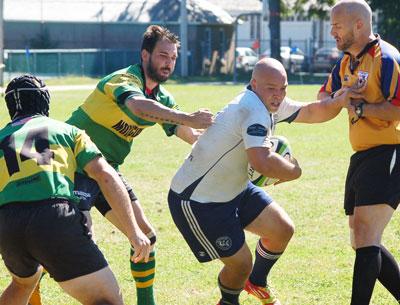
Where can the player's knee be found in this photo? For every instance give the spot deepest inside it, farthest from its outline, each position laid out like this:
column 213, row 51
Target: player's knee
column 364, row 233
column 286, row 229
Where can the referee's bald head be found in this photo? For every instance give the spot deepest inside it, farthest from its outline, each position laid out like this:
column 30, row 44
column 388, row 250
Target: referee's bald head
column 354, row 10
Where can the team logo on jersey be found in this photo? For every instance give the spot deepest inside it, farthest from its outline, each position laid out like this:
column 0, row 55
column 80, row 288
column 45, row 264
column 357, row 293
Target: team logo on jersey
column 257, row 130
column 362, row 76
column 346, row 78
column 127, row 130
column 224, row 243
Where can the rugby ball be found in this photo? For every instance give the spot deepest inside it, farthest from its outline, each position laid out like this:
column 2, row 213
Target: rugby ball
column 279, row 145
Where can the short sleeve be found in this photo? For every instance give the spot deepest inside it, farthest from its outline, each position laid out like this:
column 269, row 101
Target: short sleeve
column 256, row 127
column 122, row 86
column 85, row 150
column 288, row 110
column 333, row 83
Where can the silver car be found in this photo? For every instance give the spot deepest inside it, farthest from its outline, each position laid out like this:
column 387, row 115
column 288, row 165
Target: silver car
column 246, row 58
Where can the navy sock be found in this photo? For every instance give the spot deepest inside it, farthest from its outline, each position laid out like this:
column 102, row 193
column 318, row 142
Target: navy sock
column 366, row 270
column 390, row 273
column 229, row 296
column 262, row 265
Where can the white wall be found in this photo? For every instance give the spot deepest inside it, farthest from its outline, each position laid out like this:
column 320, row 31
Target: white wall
column 299, row 32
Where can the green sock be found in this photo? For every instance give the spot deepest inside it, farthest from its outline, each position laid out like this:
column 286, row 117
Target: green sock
column 143, row 273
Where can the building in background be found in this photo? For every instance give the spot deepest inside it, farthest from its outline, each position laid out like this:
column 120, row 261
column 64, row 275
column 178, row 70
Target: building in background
column 110, row 32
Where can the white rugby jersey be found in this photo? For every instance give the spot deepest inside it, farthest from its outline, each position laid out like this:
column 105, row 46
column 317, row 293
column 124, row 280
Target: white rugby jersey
column 216, row 169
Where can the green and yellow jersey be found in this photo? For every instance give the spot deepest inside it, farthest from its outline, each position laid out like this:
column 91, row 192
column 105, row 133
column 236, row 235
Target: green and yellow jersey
column 38, row 159
column 106, row 119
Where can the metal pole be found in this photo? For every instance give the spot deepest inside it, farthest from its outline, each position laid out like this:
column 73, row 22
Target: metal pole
column 234, row 51
column 1, row 44
column 184, row 38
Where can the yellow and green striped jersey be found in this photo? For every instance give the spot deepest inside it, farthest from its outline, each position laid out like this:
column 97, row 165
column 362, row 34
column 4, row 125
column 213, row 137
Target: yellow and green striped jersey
column 38, row 159
column 109, row 122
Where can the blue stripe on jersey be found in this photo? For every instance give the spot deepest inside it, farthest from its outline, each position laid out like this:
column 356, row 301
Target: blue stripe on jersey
column 389, row 54
column 336, row 81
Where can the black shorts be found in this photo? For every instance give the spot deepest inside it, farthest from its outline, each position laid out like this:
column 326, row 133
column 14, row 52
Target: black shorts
column 50, row 233
column 373, row 177
column 89, row 193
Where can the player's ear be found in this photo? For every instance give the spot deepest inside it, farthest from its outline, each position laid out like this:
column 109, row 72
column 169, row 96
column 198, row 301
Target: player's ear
column 253, row 83
column 145, row 55
column 359, row 24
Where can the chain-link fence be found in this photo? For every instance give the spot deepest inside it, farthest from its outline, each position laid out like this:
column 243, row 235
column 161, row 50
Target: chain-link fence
column 61, row 62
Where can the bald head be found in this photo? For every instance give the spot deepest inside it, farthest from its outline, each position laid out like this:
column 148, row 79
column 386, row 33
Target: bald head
column 351, row 22
column 269, row 82
column 267, row 68
column 354, row 10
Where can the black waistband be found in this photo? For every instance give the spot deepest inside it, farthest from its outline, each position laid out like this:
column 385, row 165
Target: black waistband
column 36, row 203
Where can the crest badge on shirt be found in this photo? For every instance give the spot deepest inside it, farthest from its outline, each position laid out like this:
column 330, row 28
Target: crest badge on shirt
column 362, row 76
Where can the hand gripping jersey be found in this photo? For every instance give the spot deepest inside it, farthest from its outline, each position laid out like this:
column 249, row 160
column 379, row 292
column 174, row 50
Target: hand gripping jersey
column 106, row 119
column 216, row 169
column 39, row 157
column 378, row 63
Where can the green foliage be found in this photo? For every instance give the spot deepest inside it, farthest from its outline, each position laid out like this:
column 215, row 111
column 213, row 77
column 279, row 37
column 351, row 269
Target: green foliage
column 318, row 8
column 316, row 269
column 388, row 21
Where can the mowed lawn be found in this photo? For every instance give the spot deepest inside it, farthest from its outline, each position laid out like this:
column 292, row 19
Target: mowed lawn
column 317, row 267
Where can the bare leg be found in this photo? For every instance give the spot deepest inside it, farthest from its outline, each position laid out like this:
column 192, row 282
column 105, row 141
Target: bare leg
column 97, row 288
column 20, row 289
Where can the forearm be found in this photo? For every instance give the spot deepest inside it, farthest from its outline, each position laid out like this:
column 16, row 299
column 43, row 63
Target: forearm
column 272, row 165
column 115, row 193
column 383, row 111
column 150, row 110
column 187, row 134
column 279, row 167
column 320, row 111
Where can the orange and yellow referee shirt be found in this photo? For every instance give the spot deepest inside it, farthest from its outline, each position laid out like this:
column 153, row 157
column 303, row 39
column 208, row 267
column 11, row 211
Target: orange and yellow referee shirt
column 378, row 63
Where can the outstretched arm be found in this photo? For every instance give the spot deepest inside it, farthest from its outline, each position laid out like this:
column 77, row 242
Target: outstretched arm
column 150, row 110
column 188, row 134
column 330, row 106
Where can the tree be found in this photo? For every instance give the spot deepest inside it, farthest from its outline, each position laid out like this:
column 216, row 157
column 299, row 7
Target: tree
column 318, row 9
column 388, row 21
column 275, row 28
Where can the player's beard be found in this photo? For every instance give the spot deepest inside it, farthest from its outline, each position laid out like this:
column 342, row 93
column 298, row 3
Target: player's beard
column 347, row 41
column 153, row 74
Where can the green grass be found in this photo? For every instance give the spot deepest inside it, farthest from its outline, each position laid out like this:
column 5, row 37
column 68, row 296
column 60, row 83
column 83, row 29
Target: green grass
column 317, row 267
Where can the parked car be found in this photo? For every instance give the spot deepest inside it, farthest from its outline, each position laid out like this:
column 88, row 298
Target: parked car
column 325, row 58
column 246, row 58
column 292, row 58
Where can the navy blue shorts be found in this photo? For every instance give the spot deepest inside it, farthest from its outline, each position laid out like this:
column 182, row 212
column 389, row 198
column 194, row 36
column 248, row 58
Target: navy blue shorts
column 89, row 193
column 215, row 230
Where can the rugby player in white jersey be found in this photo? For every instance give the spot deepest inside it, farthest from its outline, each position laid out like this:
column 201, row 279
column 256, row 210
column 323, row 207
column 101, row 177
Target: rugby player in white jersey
column 211, row 199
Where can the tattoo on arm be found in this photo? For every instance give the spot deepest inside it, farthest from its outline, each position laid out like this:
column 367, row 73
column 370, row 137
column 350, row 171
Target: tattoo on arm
column 156, row 118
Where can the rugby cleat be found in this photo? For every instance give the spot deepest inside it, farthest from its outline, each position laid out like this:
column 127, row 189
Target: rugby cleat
column 264, row 294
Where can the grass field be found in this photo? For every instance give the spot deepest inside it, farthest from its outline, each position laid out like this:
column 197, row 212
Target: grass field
column 316, row 269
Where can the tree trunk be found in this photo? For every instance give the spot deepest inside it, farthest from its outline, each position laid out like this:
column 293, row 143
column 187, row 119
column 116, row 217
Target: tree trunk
column 275, row 28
